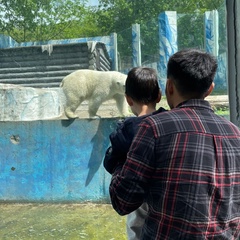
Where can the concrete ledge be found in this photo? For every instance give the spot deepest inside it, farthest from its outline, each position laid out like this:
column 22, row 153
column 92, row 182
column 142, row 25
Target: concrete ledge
column 25, row 103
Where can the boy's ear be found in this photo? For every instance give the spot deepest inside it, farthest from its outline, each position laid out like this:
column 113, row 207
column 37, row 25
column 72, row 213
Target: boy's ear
column 129, row 100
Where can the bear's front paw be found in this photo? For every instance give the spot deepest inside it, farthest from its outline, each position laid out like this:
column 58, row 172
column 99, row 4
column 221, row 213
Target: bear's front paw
column 94, row 117
column 70, row 115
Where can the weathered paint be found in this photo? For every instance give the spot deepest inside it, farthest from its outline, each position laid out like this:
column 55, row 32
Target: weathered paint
column 57, row 160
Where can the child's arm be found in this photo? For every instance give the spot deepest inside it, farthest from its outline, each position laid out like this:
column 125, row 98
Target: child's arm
column 121, row 140
column 111, row 160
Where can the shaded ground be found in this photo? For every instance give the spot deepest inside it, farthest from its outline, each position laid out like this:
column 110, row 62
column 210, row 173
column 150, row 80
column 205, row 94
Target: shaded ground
column 60, row 221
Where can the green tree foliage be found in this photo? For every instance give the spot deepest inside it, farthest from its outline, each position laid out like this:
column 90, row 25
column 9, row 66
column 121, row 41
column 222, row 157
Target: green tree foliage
column 119, row 15
column 116, row 15
column 36, row 20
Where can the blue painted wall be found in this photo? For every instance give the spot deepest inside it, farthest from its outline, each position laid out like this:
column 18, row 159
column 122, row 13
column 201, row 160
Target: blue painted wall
column 56, row 161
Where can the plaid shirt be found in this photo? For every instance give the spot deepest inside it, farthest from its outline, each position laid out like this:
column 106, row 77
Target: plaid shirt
column 185, row 163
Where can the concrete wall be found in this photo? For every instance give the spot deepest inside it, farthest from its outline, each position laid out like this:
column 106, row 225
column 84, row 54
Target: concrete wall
column 47, row 65
column 54, row 160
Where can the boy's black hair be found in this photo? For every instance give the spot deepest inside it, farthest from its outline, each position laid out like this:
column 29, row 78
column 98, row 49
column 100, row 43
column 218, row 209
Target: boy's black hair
column 142, row 85
column 192, row 71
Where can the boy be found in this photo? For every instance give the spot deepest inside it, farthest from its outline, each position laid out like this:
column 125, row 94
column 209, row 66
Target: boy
column 142, row 95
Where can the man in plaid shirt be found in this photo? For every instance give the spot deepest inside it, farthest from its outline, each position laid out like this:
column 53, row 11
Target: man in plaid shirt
column 184, row 163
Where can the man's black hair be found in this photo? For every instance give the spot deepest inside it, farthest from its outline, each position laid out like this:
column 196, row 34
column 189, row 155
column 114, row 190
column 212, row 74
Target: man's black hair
column 192, row 71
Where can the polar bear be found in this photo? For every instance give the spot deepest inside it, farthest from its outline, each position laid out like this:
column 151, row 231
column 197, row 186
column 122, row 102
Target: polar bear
column 96, row 87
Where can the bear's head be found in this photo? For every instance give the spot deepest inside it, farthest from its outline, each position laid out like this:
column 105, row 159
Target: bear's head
column 119, row 82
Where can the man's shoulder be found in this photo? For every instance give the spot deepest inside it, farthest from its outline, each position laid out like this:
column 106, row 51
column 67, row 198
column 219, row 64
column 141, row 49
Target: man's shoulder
column 160, row 110
column 190, row 120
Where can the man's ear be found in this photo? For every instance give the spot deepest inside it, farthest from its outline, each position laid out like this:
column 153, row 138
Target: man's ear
column 159, row 97
column 169, row 86
column 129, row 100
column 209, row 91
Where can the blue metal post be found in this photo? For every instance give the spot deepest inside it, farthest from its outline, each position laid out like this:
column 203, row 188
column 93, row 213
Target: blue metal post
column 167, row 43
column 136, row 44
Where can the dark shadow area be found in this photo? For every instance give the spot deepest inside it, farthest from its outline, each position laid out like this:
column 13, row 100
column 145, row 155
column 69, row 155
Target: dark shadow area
column 67, row 122
column 100, row 143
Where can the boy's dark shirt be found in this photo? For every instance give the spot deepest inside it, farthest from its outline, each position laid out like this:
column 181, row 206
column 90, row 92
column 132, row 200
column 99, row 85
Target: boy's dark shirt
column 121, row 140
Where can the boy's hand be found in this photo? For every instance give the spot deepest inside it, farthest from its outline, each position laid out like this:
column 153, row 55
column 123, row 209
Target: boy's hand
column 112, row 160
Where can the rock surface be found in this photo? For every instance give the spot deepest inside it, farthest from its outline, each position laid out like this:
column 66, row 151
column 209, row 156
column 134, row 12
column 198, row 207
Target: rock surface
column 25, row 103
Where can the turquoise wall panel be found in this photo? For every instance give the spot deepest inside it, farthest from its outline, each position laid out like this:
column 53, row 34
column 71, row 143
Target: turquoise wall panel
column 57, row 161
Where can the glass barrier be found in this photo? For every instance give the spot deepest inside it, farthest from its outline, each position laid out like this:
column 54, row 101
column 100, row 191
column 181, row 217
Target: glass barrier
column 60, row 214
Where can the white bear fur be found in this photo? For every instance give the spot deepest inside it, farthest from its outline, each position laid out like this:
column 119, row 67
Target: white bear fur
column 96, row 87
